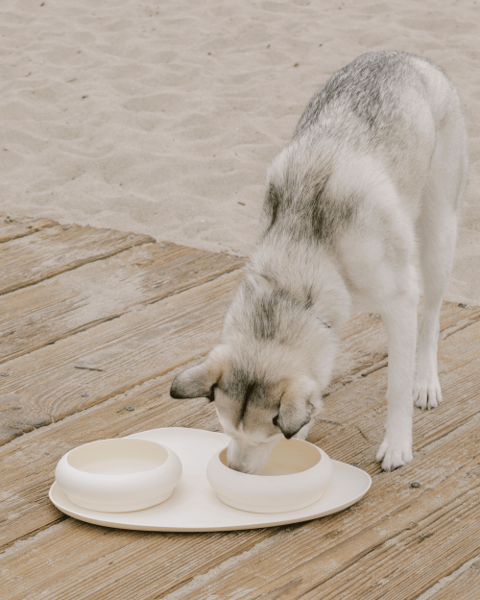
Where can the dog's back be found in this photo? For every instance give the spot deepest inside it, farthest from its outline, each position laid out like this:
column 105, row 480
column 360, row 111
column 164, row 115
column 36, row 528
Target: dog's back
column 387, row 103
column 380, row 114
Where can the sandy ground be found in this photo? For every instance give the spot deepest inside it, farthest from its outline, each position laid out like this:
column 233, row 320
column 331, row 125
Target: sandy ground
column 161, row 116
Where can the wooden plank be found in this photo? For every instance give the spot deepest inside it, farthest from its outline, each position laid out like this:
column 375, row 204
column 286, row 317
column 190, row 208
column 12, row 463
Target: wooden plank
column 28, row 468
column 86, row 369
column 431, row 547
column 33, row 317
column 440, row 543
column 70, row 559
column 12, row 228
column 53, row 250
column 363, row 341
column 346, row 431
column 391, row 494
column 144, row 565
column 340, row 554
column 465, row 586
column 78, row 372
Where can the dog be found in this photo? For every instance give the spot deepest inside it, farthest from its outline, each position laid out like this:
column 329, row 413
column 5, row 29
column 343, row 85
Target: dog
column 373, row 176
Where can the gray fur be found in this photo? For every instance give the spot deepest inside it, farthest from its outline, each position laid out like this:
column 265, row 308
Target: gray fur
column 377, row 161
column 367, row 88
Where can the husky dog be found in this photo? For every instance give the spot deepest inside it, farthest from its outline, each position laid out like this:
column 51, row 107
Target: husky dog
column 375, row 173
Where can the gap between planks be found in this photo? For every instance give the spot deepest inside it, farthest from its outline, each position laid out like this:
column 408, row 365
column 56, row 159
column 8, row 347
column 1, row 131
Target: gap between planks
column 92, row 294
column 343, row 538
column 364, row 360
column 462, row 584
column 395, row 478
column 45, row 386
column 57, row 249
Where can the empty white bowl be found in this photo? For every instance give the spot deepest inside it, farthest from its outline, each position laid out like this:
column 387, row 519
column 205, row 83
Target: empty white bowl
column 119, row 475
column 295, row 476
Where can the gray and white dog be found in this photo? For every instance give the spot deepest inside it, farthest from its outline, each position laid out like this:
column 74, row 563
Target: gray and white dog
column 375, row 172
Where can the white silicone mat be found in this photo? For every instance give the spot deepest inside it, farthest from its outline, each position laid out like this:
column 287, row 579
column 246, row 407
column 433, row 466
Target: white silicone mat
column 194, row 505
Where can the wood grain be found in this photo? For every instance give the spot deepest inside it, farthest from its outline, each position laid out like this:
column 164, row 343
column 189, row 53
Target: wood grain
column 97, row 324
column 378, row 540
column 12, row 228
column 465, row 586
column 97, row 364
column 346, row 429
column 344, row 539
column 53, row 250
column 308, row 555
column 39, row 315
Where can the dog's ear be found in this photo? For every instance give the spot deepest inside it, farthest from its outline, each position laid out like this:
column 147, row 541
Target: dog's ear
column 199, row 381
column 296, row 409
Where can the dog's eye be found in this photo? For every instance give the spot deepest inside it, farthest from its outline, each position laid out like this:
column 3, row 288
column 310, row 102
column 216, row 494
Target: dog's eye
column 275, row 420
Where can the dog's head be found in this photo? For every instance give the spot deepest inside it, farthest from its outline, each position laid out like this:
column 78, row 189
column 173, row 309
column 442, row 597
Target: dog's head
column 258, row 400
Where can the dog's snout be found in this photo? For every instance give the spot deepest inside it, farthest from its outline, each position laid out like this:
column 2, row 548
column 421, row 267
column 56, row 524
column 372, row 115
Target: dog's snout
column 237, row 464
column 237, row 467
column 239, row 458
column 248, row 458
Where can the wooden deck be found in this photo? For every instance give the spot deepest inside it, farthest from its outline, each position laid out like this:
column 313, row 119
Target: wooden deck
column 92, row 321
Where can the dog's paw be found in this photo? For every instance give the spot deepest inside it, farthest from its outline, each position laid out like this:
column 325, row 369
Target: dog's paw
column 394, row 455
column 427, row 394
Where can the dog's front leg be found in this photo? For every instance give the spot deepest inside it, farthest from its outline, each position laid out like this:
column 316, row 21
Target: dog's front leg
column 401, row 323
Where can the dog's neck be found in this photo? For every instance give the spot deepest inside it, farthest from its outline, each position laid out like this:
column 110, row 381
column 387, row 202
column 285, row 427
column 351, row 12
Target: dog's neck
column 308, row 275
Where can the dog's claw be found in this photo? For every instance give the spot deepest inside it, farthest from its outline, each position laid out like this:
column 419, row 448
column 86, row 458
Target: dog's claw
column 394, row 456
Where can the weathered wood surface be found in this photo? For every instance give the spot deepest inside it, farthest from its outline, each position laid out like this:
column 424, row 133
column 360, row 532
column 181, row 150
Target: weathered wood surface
column 82, row 370
column 465, row 586
column 369, row 551
column 16, row 227
column 56, row 249
column 92, row 366
column 448, row 475
column 74, row 301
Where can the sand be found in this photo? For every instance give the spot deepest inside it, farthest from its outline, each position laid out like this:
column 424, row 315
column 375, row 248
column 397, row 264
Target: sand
column 161, row 116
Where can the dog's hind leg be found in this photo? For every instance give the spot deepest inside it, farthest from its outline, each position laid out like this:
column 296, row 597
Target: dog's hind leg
column 437, row 231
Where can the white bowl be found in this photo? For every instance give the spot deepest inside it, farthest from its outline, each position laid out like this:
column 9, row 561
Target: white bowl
column 119, row 475
column 295, row 476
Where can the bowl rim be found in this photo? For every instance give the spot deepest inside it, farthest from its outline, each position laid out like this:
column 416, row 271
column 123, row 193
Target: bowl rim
column 231, row 481
column 101, row 476
column 115, row 486
column 323, row 457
